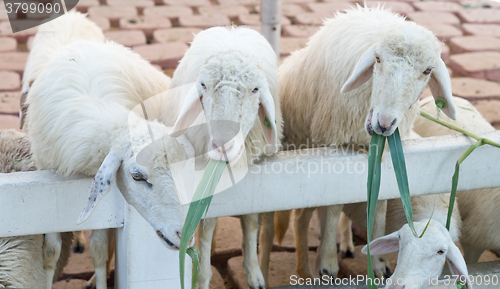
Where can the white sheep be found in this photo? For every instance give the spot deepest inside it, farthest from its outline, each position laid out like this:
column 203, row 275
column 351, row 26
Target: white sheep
column 437, row 244
column 362, row 72
column 233, row 77
column 22, row 257
column 80, row 122
column 478, row 207
column 421, row 259
column 50, row 37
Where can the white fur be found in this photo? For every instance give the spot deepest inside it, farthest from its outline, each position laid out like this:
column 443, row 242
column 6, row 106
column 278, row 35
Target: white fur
column 50, row 37
column 224, row 66
column 362, row 68
column 80, row 122
column 22, row 260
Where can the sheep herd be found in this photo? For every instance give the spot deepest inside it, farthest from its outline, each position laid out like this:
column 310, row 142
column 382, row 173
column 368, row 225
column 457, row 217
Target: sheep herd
column 84, row 112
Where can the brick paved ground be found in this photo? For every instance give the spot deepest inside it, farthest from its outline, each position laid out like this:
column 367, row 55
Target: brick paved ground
column 161, row 30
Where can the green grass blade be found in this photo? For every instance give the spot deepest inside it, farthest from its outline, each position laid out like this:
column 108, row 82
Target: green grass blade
column 398, row 161
column 195, row 257
column 201, row 201
column 373, row 187
column 454, row 180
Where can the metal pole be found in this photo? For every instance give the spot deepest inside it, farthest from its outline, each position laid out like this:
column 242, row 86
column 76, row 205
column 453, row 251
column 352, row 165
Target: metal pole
column 270, row 15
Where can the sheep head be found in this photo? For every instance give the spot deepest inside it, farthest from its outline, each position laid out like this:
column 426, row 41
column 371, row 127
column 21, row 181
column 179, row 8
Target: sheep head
column 400, row 66
column 141, row 166
column 231, row 89
column 420, row 259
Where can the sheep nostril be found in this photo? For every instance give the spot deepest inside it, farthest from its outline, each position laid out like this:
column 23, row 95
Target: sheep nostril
column 382, row 128
column 178, row 234
column 393, row 122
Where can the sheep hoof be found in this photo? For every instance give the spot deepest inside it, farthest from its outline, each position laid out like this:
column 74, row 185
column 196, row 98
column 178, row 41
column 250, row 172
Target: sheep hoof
column 347, row 254
column 78, row 248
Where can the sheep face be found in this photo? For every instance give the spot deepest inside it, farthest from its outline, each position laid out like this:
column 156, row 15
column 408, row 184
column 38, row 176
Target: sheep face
column 151, row 190
column 420, row 259
column 232, row 88
column 145, row 179
column 400, row 65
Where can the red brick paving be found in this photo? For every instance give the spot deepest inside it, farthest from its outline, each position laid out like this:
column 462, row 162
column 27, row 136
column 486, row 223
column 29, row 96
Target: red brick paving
column 474, row 43
column 176, row 34
column 166, row 55
column 444, row 31
column 168, row 11
column 13, row 61
column 148, row 24
column 425, row 18
column 304, row 31
column 83, row 5
column 127, row 37
column 483, row 65
column 204, row 21
column 329, row 7
column 438, row 6
column 160, row 30
column 228, row 10
column 490, row 16
column 482, row 29
column 7, row 44
column 254, row 19
column 398, row 7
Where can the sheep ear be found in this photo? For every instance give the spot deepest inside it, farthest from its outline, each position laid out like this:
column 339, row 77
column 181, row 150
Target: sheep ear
column 100, row 184
column 190, row 110
column 457, row 264
column 440, row 85
column 267, row 118
column 362, row 72
column 384, row 245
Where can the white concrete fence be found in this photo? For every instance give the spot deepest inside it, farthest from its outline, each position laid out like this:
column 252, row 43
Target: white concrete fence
column 42, row 202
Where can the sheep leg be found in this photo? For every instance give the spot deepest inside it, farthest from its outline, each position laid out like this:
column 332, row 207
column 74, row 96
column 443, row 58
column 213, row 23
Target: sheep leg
column 302, row 217
column 266, row 242
column 51, row 251
column 111, row 251
column 99, row 255
column 250, row 225
column 380, row 263
column 79, row 242
column 471, row 253
column 206, row 231
column 326, row 258
column 345, row 231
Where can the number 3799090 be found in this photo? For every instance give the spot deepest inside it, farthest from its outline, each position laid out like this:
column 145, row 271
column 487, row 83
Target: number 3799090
column 32, row 7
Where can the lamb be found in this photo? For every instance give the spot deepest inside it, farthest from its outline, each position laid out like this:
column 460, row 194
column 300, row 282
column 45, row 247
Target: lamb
column 50, row 37
column 22, row 257
column 477, row 207
column 421, row 259
column 81, row 121
column 471, row 203
column 233, row 77
column 362, row 72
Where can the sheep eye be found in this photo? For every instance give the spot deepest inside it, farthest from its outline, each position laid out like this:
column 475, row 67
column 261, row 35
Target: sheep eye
column 427, row 71
column 441, row 252
column 138, row 177
column 203, row 85
column 255, row 90
column 378, row 59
